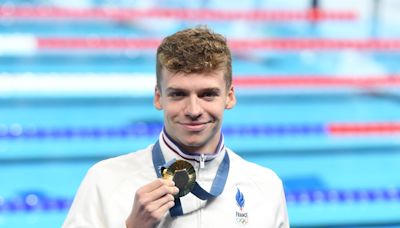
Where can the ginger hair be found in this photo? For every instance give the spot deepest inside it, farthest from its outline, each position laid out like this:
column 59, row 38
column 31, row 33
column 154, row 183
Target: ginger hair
column 194, row 50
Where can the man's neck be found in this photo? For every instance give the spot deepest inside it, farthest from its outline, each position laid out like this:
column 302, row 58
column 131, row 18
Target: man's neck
column 211, row 148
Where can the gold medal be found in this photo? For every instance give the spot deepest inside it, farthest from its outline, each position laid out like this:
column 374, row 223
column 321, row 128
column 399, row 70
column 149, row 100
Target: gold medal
column 183, row 174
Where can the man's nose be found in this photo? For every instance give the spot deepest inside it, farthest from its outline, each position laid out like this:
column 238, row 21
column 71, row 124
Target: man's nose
column 193, row 108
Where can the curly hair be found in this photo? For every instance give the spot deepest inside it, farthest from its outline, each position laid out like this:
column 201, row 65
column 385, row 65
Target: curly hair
column 194, row 50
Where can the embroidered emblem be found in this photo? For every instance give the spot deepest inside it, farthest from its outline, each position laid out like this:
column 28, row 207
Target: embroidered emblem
column 242, row 216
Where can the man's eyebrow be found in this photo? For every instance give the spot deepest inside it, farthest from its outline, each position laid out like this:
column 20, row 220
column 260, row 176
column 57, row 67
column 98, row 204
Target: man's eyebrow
column 169, row 89
column 212, row 89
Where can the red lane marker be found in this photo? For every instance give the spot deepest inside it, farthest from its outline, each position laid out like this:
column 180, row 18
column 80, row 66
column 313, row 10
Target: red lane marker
column 316, row 81
column 364, row 128
column 181, row 14
column 278, row 44
column 317, row 44
column 97, row 43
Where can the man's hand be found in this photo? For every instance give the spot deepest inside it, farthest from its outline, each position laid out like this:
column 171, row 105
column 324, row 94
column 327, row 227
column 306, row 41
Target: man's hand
column 151, row 203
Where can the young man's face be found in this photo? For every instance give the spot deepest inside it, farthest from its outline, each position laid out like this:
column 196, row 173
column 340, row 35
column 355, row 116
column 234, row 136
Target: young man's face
column 193, row 107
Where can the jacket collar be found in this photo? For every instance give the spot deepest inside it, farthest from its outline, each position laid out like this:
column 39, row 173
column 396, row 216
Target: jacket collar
column 169, row 143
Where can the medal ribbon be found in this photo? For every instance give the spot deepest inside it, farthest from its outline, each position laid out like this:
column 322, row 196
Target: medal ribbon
column 216, row 188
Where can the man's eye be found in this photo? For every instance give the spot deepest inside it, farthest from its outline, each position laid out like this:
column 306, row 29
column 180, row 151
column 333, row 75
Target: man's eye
column 177, row 94
column 209, row 95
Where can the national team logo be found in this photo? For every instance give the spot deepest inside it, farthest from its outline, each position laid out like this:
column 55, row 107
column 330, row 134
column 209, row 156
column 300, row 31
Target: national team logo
column 242, row 216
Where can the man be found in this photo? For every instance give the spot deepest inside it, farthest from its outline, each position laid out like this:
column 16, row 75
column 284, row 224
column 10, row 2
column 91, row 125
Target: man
column 188, row 178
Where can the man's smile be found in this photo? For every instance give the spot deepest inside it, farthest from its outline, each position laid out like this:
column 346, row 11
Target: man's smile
column 195, row 126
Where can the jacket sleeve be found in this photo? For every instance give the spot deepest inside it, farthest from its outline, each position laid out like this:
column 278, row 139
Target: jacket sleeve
column 283, row 219
column 86, row 209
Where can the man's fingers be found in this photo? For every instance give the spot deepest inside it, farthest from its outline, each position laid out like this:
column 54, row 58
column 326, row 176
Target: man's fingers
column 160, row 212
column 156, row 184
column 159, row 203
column 155, row 190
column 161, row 191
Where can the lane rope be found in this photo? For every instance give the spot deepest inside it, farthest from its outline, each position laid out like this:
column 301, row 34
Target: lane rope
column 24, row 44
column 17, row 131
column 101, row 13
column 285, row 44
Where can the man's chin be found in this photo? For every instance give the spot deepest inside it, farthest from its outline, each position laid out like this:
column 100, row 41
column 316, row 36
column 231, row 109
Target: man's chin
column 192, row 145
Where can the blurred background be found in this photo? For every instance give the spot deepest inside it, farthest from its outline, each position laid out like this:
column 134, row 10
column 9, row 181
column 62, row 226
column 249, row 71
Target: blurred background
column 318, row 87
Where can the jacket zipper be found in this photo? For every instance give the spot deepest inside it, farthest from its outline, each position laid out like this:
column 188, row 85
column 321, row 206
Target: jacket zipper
column 202, row 161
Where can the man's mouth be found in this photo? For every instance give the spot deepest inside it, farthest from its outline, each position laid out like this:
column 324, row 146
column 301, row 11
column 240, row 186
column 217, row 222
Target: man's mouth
column 195, row 126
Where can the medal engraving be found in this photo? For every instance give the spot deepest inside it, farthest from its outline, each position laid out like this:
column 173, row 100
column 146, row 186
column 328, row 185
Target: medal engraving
column 183, row 174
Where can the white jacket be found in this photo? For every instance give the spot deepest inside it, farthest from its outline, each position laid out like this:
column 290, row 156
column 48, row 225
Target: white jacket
column 105, row 197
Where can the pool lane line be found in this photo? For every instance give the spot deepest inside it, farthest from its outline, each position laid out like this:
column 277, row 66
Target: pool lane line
column 53, row 14
column 283, row 44
column 23, row 44
column 151, row 129
column 363, row 129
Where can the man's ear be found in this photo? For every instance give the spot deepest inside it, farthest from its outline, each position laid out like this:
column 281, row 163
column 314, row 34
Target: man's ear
column 231, row 99
column 157, row 98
